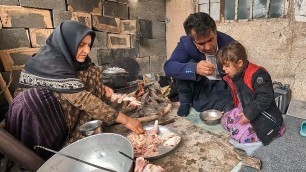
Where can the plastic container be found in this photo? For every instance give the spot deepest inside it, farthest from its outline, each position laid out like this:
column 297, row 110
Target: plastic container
column 282, row 94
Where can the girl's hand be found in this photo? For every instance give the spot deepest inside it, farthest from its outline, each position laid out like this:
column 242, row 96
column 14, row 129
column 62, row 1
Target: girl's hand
column 244, row 120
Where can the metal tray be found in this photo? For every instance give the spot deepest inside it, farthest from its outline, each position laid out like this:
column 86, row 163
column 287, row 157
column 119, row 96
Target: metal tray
column 100, row 149
column 162, row 150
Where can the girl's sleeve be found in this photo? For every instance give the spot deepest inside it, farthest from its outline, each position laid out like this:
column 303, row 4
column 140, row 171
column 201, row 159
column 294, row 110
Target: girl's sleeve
column 264, row 95
column 91, row 104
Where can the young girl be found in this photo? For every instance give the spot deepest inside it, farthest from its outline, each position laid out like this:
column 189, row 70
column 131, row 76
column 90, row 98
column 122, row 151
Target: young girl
column 255, row 117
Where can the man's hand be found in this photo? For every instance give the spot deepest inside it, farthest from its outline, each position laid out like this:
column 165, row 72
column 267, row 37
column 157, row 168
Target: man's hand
column 205, row 68
column 244, row 120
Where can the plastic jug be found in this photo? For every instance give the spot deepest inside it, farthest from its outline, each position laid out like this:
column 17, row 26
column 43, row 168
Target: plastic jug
column 282, row 94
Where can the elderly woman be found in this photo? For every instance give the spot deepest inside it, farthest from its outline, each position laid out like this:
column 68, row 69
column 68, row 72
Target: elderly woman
column 60, row 90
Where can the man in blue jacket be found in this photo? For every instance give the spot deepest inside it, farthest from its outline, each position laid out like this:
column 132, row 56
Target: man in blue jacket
column 194, row 68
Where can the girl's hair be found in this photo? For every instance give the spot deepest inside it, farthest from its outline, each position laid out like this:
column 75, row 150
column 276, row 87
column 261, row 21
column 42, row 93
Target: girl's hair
column 233, row 52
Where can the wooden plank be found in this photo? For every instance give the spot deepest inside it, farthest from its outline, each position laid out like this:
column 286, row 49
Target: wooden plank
column 6, row 60
column 6, row 57
column 5, row 90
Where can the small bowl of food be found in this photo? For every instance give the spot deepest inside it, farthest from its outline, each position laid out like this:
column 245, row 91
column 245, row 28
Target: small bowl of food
column 211, row 117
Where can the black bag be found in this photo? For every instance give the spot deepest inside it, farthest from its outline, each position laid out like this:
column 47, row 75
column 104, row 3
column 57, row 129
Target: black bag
column 266, row 127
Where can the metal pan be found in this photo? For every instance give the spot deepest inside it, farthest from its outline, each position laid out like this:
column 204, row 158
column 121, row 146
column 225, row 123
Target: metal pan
column 101, row 149
column 162, row 150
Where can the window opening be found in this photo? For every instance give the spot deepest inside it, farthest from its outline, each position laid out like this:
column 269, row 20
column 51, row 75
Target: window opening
column 243, row 9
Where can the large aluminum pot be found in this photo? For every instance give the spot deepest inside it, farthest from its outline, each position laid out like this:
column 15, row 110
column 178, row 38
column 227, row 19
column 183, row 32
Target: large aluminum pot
column 100, row 149
column 115, row 77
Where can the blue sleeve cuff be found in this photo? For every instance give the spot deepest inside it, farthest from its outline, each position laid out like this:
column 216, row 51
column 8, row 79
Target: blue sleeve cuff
column 191, row 71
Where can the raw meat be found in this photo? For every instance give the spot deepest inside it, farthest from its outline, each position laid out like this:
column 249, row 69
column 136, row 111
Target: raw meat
column 172, row 141
column 123, row 97
column 146, row 144
column 143, row 165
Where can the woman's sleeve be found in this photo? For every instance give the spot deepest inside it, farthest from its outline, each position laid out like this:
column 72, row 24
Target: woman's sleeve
column 93, row 80
column 91, row 104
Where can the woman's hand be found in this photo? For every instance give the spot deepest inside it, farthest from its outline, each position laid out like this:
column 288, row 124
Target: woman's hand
column 108, row 92
column 134, row 125
column 130, row 123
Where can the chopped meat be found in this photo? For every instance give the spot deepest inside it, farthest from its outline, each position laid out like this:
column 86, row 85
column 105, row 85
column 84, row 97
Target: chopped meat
column 168, row 135
column 153, row 168
column 143, row 165
column 135, row 103
column 128, row 98
column 115, row 97
column 123, row 97
column 146, row 144
column 172, row 141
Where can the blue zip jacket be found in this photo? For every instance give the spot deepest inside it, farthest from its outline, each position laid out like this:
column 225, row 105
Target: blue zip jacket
column 183, row 61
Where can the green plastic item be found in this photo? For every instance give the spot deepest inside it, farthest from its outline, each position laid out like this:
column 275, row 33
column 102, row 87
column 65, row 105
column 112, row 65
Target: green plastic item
column 303, row 129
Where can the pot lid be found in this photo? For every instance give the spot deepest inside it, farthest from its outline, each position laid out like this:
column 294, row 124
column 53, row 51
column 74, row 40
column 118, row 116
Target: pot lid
column 114, row 70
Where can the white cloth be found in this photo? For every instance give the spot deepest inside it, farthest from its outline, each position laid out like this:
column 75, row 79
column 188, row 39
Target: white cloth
column 249, row 148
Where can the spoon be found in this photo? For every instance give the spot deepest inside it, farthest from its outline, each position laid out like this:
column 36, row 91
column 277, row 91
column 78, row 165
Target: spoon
column 76, row 159
column 220, row 71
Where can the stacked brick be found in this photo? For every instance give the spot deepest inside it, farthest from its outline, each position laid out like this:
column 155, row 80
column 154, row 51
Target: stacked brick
column 130, row 34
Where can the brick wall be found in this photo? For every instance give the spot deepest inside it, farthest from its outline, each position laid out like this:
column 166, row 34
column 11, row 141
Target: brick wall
column 129, row 32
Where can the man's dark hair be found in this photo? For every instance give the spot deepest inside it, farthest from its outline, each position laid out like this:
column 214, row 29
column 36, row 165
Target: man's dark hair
column 201, row 23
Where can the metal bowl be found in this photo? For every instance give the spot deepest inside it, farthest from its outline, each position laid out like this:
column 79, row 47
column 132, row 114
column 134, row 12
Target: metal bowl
column 211, row 117
column 100, row 149
column 162, row 150
column 91, row 127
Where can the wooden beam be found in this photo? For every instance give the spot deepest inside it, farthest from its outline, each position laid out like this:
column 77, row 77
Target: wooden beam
column 5, row 89
column 6, row 56
column 236, row 9
column 222, row 11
